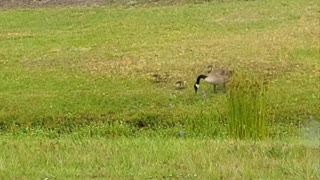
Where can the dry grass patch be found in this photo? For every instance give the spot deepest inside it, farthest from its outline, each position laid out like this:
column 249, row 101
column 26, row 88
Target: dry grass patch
column 12, row 35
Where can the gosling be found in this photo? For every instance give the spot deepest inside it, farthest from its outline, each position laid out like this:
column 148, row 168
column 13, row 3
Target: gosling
column 180, row 85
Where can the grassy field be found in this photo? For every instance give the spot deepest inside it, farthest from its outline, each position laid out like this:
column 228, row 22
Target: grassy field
column 87, row 73
column 144, row 158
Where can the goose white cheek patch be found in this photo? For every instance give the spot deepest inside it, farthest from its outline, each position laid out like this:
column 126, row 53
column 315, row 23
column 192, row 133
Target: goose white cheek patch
column 197, row 85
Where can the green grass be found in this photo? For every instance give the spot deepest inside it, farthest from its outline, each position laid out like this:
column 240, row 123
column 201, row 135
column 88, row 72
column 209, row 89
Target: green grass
column 84, row 76
column 89, row 65
column 145, row 158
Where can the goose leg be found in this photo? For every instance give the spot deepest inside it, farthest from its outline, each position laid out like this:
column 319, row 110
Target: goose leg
column 224, row 87
column 214, row 89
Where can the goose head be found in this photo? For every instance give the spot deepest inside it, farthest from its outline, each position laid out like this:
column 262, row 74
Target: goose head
column 197, row 84
column 196, row 87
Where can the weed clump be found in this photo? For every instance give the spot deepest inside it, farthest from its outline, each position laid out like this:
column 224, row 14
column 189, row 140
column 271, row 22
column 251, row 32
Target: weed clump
column 248, row 115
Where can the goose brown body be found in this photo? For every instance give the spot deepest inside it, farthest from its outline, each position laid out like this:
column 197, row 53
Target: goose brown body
column 215, row 77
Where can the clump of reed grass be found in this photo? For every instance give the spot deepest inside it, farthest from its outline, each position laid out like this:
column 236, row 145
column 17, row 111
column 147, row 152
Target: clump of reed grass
column 248, row 115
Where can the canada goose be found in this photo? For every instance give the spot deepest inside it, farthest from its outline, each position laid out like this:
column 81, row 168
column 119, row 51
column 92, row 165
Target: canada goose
column 180, row 85
column 161, row 78
column 215, row 77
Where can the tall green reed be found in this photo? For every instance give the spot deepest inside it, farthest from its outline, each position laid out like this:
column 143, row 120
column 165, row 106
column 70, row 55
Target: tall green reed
column 248, row 115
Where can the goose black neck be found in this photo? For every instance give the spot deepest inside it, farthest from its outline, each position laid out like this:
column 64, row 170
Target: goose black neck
column 201, row 77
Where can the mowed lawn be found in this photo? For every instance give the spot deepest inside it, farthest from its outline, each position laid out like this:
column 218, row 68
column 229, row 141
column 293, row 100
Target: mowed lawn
column 77, row 90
